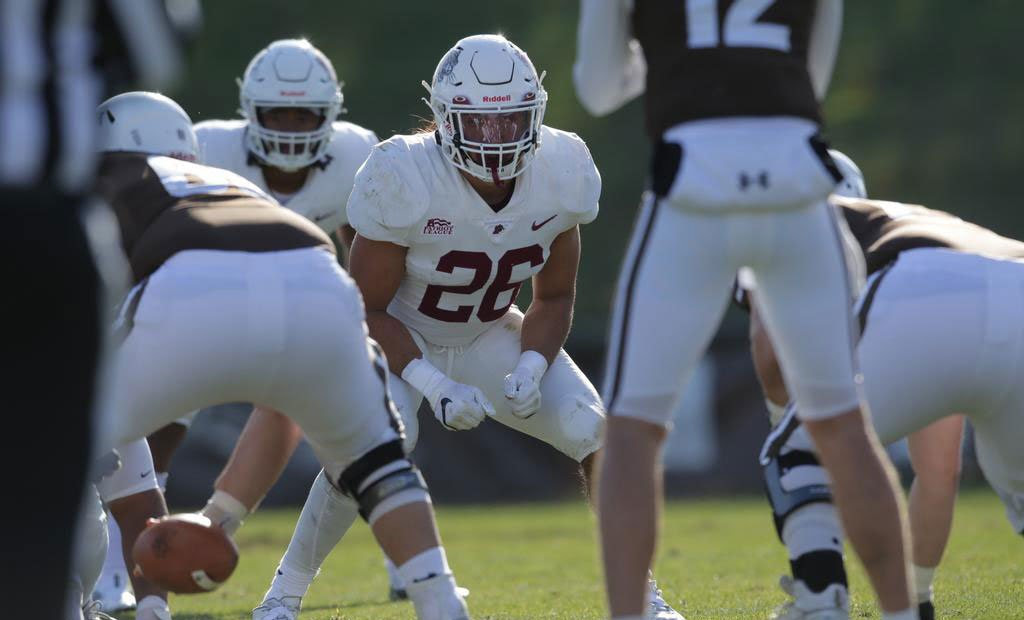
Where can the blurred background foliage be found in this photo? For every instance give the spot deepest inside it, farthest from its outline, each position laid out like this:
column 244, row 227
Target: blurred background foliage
column 927, row 96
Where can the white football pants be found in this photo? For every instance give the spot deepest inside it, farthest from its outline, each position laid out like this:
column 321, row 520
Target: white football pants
column 745, row 192
column 282, row 329
column 570, row 418
column 945, row 335
column 676, row 284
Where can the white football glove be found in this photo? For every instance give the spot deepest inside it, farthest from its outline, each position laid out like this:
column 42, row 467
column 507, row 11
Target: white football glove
column 457, row 406
column 522, row 385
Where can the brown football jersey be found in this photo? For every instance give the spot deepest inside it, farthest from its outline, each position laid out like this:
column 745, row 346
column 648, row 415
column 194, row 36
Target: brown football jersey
column 165, row 206
column 721, row 58
column 884, row 229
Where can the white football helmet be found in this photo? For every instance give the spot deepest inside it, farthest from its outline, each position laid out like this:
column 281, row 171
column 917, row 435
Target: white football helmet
column 852, row 185
column 290, row 73
column 142, row 122
column 488, row 103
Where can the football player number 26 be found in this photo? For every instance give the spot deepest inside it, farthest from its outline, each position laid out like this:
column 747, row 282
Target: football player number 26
column 481, row 265
column 741, row 28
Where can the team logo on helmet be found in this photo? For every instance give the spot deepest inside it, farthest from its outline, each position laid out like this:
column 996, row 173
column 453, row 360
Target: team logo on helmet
column 447, row 70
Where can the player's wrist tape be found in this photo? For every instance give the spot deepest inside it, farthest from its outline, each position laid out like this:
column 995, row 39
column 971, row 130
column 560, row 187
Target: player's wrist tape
column 423, row 376
column 533, row 363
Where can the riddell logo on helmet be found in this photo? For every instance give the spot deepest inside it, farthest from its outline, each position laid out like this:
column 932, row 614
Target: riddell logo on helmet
column 293, row 93
column 497, row 98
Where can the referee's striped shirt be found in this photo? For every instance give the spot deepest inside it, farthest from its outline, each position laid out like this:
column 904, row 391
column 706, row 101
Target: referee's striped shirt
column 58, row 60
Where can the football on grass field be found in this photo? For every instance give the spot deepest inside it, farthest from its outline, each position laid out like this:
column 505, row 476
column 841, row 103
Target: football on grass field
column 185, row 553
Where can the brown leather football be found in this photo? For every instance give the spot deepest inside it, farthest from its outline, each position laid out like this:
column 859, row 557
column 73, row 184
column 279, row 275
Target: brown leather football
column 185, row 553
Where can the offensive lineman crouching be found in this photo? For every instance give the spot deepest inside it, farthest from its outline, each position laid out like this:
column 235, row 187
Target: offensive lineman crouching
column 237, row 299
column 941, row 337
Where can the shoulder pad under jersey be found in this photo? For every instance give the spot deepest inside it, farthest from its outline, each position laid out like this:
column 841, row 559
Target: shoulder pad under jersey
column 571, row 172
column 349, row 137
column 222, row 143
column 390, row 193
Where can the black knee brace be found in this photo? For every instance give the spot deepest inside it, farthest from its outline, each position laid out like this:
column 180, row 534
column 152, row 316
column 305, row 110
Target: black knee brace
column 785, row 502
column 401, row 475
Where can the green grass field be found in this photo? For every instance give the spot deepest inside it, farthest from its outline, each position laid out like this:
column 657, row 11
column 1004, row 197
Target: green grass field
column 718, row 559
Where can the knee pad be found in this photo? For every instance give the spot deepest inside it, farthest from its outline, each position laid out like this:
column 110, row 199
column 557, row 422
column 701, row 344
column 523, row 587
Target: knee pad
column 793, row 479
column 383, row 479
column 582, row 422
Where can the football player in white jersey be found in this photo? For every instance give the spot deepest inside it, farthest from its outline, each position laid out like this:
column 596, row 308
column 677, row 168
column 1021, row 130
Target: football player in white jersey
column 450, row 222
column 290, row 144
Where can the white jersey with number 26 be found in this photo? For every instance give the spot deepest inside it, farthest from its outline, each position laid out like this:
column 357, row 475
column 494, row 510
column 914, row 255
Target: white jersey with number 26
column 466, row 262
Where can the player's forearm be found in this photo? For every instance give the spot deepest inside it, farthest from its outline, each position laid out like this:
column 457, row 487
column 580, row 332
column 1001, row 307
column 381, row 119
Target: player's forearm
column 546, row 325
column 394, row 338
column 610, row 68
column 131, row 513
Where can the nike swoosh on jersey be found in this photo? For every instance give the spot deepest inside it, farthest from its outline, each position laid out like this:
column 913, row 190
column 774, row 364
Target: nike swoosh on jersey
column 321, row 217
column 536, row 226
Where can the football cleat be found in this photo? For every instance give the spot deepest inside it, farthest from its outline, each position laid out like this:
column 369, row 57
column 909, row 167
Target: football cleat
column 660, row 609
column 113, row 592
column 832, row 603
column 283, row 608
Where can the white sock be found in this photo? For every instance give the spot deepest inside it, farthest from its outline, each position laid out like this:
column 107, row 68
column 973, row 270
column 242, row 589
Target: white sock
column 425, row 565
column 326, row 516
column 431, row 586
column 161, row 479
column 225, row 511
column 908, row 614
column 923, row 578
column 114, row 562
column 393, row 577
column 152, row 607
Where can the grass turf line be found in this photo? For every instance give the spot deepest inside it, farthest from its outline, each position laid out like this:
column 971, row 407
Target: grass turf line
column 718, row 559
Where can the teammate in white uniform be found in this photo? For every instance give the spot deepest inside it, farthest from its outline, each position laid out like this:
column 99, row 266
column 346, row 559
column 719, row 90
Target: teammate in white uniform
column 450, row 223
column 289, row 145
column 739, row 178
column 237, row 299
column 941, row 338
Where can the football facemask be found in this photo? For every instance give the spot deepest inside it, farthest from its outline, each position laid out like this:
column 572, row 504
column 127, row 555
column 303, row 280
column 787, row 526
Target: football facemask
column 290, row 74
column 488, row 104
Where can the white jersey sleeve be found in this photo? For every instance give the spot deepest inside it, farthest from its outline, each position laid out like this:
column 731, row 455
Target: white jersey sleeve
column 572, row 176
column 388, row 195
column 323, row 196
column 222, row 145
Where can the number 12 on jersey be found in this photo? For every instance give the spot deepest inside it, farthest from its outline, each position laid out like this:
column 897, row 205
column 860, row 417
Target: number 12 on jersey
column 741, row 28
